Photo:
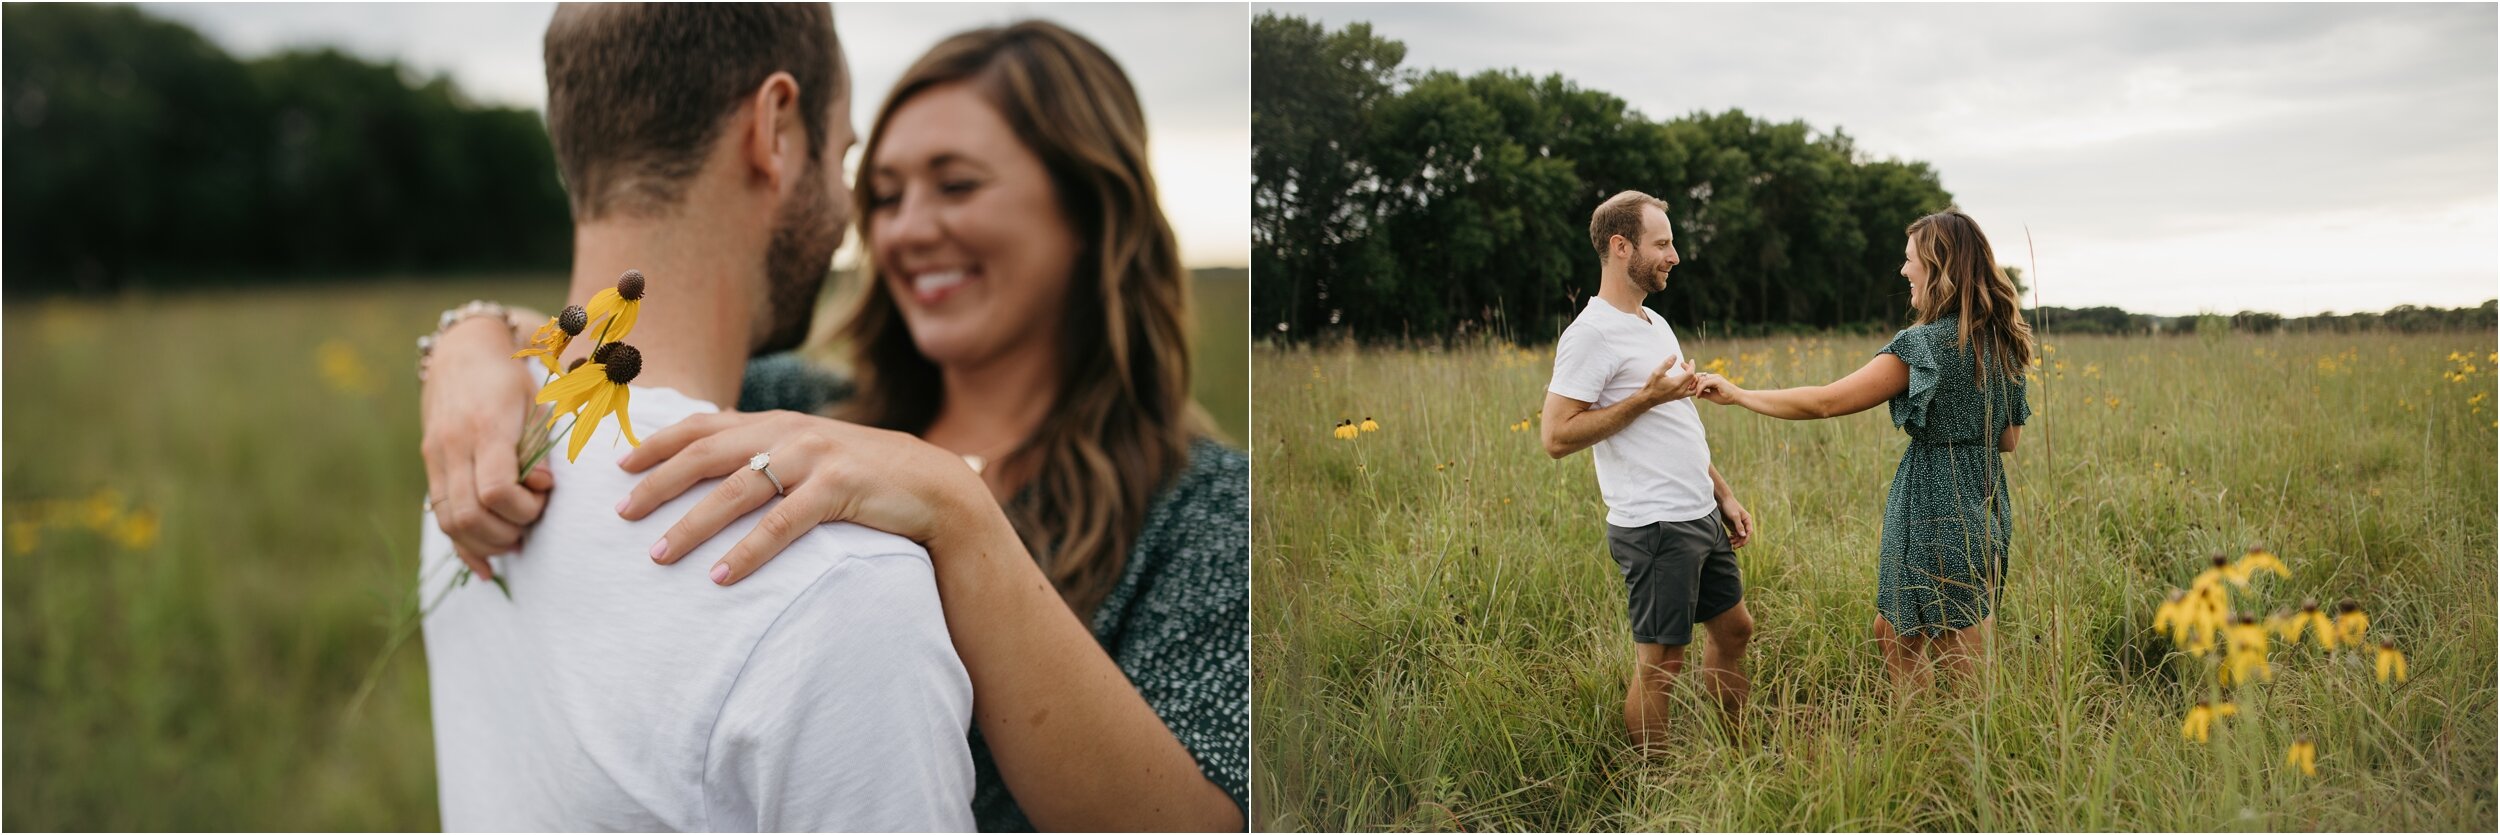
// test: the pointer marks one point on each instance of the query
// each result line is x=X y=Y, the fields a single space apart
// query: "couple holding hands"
x=1955 y=382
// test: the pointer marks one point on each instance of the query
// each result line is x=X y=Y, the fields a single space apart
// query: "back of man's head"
x=637 y=93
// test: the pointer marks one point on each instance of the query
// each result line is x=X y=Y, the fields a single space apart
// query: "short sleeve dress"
x=1177 y=623
x=1946 y=523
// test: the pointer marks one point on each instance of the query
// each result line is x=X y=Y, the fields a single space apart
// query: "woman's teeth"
x=936 y=282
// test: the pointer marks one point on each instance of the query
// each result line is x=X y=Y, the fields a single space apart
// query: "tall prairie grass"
x=211 y=507
x=1440 y=639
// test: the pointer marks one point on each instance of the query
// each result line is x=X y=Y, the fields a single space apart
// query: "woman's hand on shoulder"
x=830 y=471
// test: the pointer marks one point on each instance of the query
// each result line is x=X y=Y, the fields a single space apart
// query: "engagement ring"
x=763 y=463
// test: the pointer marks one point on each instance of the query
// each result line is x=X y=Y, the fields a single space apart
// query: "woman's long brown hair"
x=1122 y=421
x=1963 y=279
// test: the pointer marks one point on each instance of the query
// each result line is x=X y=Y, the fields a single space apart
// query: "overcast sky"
x=2167 y=159
x=1190 y=63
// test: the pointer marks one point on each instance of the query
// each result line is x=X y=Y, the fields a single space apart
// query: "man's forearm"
x=1583 y=429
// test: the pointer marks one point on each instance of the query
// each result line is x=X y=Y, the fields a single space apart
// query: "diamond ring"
x=763 y=463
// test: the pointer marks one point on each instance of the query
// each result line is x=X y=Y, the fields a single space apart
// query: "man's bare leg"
x=1646 y=701
x=1723 y=661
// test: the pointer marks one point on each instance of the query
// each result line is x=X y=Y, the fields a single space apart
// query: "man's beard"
x=1647 y=276
x=796 y=264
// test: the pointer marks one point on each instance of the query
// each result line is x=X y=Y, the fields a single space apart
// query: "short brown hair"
x=1619 y=215
x=636 y=93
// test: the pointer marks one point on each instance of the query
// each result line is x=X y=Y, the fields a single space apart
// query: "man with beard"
x=700 y=146
x=1621 y=386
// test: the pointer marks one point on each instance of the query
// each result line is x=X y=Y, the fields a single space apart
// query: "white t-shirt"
x=609 y=693
x=1658 y=468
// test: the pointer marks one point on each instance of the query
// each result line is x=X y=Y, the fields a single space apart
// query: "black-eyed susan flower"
x=592 y=391
x=615 y=309
x=2258 y=559
x=2217 y=574
x=1370 y=425
x=2390 y=660
x=2199 y=725
x=2304 y=754
x=2314 y=622
x=1345 y=430
x=549 y=342
x=2351 y=624
x=2246 y=652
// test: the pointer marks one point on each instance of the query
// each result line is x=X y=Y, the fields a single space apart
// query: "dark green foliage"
x=1397 y=204
x=140 y=154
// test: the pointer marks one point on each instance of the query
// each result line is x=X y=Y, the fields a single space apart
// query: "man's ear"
x=1615 y=253
x=776 y=139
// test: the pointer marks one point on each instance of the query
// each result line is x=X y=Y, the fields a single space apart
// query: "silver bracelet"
x=454 y=316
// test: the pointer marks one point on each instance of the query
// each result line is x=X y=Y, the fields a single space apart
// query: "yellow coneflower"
x=1346 y=430
x=2172 y=615
x=137 y=530
x=593 y=390
x=549 y=342
x=2315 y=622
x=2284 y=626
x=2351 y=624
x=2304 y=754
x=2390 y=660
x=2215 y=575
x=618 y=306
x=2246 y=653
x=1370 y=425
x=2199 y=724
x=25 y=535
x=2259 y=558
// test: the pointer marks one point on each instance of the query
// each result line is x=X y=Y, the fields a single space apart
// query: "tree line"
x=2403 y=318
x=1394 y=204
x=141 y=154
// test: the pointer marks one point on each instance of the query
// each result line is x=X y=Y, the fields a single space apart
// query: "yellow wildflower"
x=2305 y=755
x=343 y=368
x=2199 y=724
x=617 y=307
x=549 y=342
x=2390 y=660
x=2172 y=613
x=1370 y=425
x=2259 y=558
x=101 y=509
x=137 y=530
x=593 y=390
x=2315 y=623
x=2351 y=624
x=25 y=535
x=2246 y=653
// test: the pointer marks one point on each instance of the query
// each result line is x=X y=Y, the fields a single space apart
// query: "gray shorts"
x=1678 y=574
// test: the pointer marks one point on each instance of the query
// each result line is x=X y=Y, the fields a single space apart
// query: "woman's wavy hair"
x=1123 y=419
x=1963 y=280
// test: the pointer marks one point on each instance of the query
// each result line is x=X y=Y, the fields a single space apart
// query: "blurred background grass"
x=1439 y=634
x=211 y=508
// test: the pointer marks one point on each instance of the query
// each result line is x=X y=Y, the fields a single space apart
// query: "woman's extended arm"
x=1074 y=741
x=2013 y=435
x=1882 y=378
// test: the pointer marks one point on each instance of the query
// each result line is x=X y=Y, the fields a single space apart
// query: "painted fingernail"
x=659 y=549
x=622 y=503
x=720 y=573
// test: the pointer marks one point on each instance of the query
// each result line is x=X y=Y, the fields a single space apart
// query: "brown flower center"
x=630 y=285
x=623 y=362
x=573 y=320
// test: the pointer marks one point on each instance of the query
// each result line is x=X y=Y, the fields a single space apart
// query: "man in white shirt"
x=1622 y=387
x=820 y=693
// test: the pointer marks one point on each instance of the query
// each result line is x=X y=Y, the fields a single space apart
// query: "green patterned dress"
x=1946 y=522
x=1177 y=624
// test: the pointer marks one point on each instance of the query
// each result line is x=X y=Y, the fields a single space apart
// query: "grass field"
x=211 y=511
x=1440 y=641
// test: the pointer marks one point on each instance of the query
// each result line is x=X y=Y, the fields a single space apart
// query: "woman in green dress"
x=1955 y=382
